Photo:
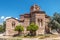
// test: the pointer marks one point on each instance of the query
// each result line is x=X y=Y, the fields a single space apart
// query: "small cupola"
x=34 y=8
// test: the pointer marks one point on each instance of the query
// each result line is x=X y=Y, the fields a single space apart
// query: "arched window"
x=13 y=24
x=40 y=22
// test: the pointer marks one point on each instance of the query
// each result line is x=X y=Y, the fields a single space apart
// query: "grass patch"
x=54 y=36
x=10 y=39
x=41 y=36
x=28 y=36
x=48 y=36
x=44 y=36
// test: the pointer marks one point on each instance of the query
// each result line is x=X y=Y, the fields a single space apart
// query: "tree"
x=32 y=28
x=19 y=28
x=55 y=22
x=4 y=25
x=1 y=28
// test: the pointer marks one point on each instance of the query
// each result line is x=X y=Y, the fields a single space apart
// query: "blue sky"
x=14 y=8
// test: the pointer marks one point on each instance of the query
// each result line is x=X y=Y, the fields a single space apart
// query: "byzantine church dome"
x=34 y=8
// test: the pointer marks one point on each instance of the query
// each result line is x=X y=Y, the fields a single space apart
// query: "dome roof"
x=35 y=8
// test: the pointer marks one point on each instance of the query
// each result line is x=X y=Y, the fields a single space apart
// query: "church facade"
x=36 y=15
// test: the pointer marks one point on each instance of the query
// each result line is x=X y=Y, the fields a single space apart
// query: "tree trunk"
x=33 y=33
x=19 y=32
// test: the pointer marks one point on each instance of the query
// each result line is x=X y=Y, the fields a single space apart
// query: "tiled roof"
x=38 y=12
x=13 y=18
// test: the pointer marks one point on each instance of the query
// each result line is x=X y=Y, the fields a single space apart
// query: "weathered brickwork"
x=36 y=15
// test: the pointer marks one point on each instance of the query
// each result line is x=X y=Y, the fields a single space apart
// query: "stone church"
x=35 y=15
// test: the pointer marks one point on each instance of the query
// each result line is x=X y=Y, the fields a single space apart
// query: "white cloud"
x=16 y=18
x=2 y=17
x=6 y=18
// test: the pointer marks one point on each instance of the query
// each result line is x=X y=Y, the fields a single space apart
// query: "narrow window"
x=41 y=22
x=13 y=24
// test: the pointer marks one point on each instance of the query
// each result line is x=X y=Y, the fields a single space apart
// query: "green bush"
x=32 y=28
x=19 y=28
